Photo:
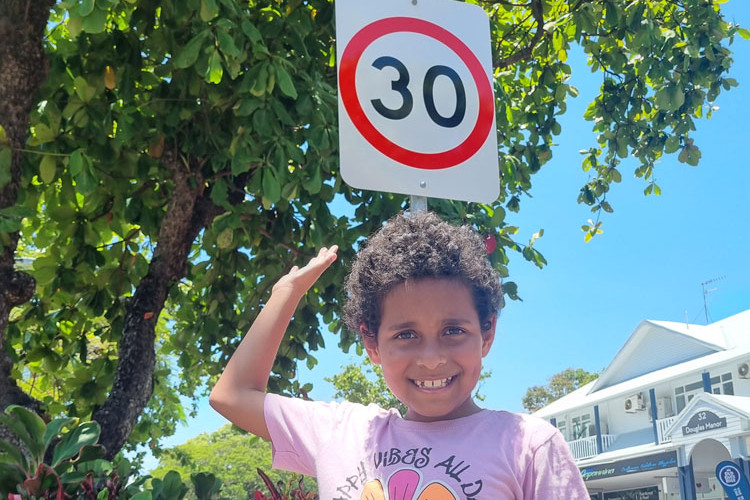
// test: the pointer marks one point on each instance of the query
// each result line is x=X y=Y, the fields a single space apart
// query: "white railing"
x=662 y=424
x=586 y=447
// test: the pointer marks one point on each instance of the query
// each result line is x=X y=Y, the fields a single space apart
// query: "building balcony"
x=662 y=424
x=586 y=447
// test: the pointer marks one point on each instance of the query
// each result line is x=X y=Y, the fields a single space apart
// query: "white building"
x=672 y=404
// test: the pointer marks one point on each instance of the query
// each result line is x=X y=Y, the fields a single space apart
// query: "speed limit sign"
x=416 y=105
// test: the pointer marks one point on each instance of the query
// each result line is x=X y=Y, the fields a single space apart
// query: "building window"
x=719 y=385
x=727 y=387
x=562 y=426
x=580 y=426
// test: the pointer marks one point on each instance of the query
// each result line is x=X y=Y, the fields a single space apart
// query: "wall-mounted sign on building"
x=703 y=421
x=630 y=466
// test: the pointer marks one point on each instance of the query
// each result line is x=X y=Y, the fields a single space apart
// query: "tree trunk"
x=188 y=212
x=23 y=68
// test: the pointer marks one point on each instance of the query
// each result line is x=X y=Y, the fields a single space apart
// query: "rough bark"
x=23 y=68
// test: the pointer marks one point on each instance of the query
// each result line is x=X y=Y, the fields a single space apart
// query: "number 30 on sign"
x=416 y=106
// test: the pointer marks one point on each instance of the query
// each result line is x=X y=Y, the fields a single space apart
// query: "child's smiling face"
x=430 y=345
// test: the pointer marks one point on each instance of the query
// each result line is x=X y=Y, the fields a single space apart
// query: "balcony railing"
x=586 y=447
x=662 y=424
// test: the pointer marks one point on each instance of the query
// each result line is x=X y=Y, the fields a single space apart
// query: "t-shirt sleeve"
x=553 y=472
x=298 y=429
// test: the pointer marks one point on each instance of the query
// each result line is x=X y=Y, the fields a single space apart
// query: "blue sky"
x=648 y=264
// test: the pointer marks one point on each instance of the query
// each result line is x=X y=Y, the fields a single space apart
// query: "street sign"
x=733 y=480
x=416 y=104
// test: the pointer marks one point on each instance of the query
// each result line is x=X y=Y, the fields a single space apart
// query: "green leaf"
x=189 y=54
x=34 y=426
x=205 y=484
x=173 y=487
x=249 y=29
x=313 y=183
x=71 y=444
x=261 y=81
x=42 y=134
x=209 y=10
x=47 y=169
x=693 y=155
x=54 y=427
x=81 y=88
x=95 y=22
x=285 y=82
x=683 y=156
x=215 y=69
x=227 y=45
x=271 y=187
x=86 y=7
x=669 y=98
x=672 y=144
x=76 y=163
x=744 y=33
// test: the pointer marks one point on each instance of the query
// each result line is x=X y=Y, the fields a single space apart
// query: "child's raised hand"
x=301 y=279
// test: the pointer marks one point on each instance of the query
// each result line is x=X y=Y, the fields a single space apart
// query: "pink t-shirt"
x=366 y=453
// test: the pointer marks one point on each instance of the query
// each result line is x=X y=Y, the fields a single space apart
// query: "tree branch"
x=537 y=11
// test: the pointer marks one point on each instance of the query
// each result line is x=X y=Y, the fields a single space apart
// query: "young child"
x=424 y=298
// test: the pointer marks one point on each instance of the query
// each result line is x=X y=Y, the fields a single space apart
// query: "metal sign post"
x=417 y=204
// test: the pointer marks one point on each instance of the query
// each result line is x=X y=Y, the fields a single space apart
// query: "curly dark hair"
x=419 y=245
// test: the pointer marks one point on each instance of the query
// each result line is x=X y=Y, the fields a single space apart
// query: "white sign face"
x=416 y=103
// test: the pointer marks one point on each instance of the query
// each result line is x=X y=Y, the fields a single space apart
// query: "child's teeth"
x=433 y=384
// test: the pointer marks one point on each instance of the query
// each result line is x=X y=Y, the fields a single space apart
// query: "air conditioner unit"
x=663 y=408
x=743 y=370
x=634 y=403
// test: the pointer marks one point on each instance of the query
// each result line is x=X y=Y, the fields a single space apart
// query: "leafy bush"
x=62 y=461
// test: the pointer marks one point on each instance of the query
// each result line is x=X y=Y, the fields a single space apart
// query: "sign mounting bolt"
x=422 y=184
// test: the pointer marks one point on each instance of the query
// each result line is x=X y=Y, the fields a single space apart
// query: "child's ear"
x=371 y=344
x=488 y=334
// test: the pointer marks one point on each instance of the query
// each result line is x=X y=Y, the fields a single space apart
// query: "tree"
x=181 y=155
x=230 y=454
x=560 y=384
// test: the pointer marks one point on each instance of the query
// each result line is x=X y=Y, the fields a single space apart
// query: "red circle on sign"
x=347 y=79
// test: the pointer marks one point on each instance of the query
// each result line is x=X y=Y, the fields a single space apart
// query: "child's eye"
x=454 y=330
x=405 y=335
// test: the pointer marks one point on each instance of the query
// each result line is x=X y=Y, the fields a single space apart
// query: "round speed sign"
x=416 y=107
x=441 y=159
